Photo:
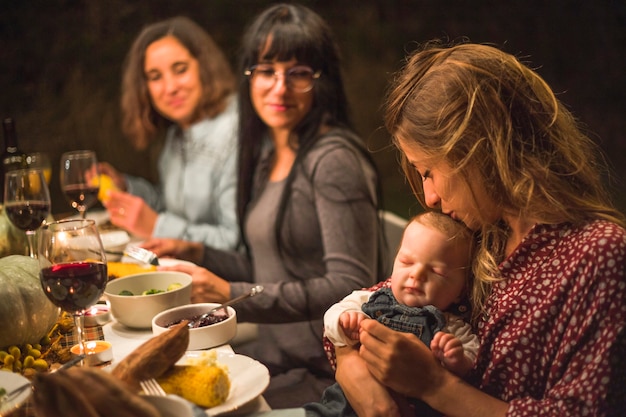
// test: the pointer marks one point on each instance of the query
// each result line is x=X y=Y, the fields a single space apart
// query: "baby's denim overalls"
x=382 y=306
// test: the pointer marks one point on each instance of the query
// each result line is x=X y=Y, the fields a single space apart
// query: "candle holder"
x=98 y=352
x=98 y=314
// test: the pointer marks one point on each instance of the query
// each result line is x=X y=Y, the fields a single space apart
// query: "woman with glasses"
x=307 y=203
x=177 y=81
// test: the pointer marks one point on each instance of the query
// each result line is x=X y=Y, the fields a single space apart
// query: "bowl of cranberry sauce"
x=216 y=329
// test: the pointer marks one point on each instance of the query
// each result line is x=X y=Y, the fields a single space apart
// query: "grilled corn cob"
x=206 y=386
x=122 y=269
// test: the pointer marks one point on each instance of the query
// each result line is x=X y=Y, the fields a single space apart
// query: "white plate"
x=10 y=381
x=171 y=405
x=173 y=262
x=248 y=379
x=97 y=215
x=162 y=261
x=115 y=239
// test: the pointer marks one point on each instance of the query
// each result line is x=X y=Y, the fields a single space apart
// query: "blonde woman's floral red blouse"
x=553 y=342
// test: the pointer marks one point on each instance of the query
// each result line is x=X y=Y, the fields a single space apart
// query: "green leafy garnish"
x=152 y=291
x=174 y=286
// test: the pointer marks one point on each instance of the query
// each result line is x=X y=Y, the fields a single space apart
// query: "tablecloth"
x=124 y=341
x=68 y=340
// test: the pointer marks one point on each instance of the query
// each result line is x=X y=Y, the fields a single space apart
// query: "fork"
x=141 y=254
x=14 y=393
x=11 y=395
x=152 y=387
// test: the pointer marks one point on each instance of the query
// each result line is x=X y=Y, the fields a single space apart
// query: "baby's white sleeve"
x=332 y=329
x=462 y=330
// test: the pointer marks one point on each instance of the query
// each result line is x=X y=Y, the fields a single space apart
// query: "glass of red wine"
x=27 y=202
x=80 y=179
x=73 y=268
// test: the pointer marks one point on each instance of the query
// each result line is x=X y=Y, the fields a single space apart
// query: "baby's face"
x=428 y=269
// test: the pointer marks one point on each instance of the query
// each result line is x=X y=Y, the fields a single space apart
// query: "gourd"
x=12 y=240
x=26 y=314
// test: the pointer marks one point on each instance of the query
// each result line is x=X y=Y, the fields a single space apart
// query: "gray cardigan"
x=331 y=225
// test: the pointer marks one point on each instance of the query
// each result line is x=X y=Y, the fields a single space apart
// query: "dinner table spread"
x=125 y=340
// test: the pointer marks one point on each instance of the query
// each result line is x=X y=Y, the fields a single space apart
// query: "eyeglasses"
x=299 y=79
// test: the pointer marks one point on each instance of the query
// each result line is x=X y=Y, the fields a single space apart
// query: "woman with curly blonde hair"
x=484 y=140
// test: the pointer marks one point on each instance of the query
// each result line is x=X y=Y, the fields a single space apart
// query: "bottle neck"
x=12 y=157
x=10 y=137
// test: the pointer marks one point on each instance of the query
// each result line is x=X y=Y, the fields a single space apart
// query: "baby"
x=423 y=296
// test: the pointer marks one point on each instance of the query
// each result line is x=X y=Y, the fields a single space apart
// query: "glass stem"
x=79 y=327
x=30 y=237
x=83 y=213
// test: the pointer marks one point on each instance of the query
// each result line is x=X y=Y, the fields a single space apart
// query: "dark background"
x=60 y=65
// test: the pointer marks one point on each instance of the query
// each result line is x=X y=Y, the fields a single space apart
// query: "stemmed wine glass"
x=27 y=202
x=73 y=268
x=80 y=179
x=40 y=160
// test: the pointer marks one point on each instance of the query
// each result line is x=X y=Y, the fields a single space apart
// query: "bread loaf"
x=153 y=357
x=86 y=392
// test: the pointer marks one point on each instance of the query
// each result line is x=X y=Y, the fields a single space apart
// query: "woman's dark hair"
x=140 y=121
x=283 y=32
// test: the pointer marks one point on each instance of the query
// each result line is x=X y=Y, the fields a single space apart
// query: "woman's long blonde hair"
x=484 y=112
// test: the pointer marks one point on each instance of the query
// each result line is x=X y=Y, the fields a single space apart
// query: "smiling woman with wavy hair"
x=178 y=84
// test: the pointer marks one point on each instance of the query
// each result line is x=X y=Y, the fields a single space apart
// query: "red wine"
x=74 y=286
x=81 y=195
x=27 y=215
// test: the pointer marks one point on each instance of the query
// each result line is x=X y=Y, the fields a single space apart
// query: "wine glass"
x=73 y=268
x=80 y=179
x=27 y=202
x=40 y=160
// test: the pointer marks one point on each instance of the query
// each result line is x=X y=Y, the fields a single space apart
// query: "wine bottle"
x=12 y=157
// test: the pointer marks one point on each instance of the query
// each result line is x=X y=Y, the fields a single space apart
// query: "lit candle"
x=97 y=352
x=99 y=314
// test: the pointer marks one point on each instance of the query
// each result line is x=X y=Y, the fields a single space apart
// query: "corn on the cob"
x=122 y=269
x=206 y=386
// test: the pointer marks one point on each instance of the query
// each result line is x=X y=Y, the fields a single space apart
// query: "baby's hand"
x=449 y=350
x=350 y=321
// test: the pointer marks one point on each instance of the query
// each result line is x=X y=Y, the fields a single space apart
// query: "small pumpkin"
x=12 y=240
x=26 y=314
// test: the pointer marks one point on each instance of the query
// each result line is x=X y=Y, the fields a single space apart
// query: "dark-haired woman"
x=307 y=203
